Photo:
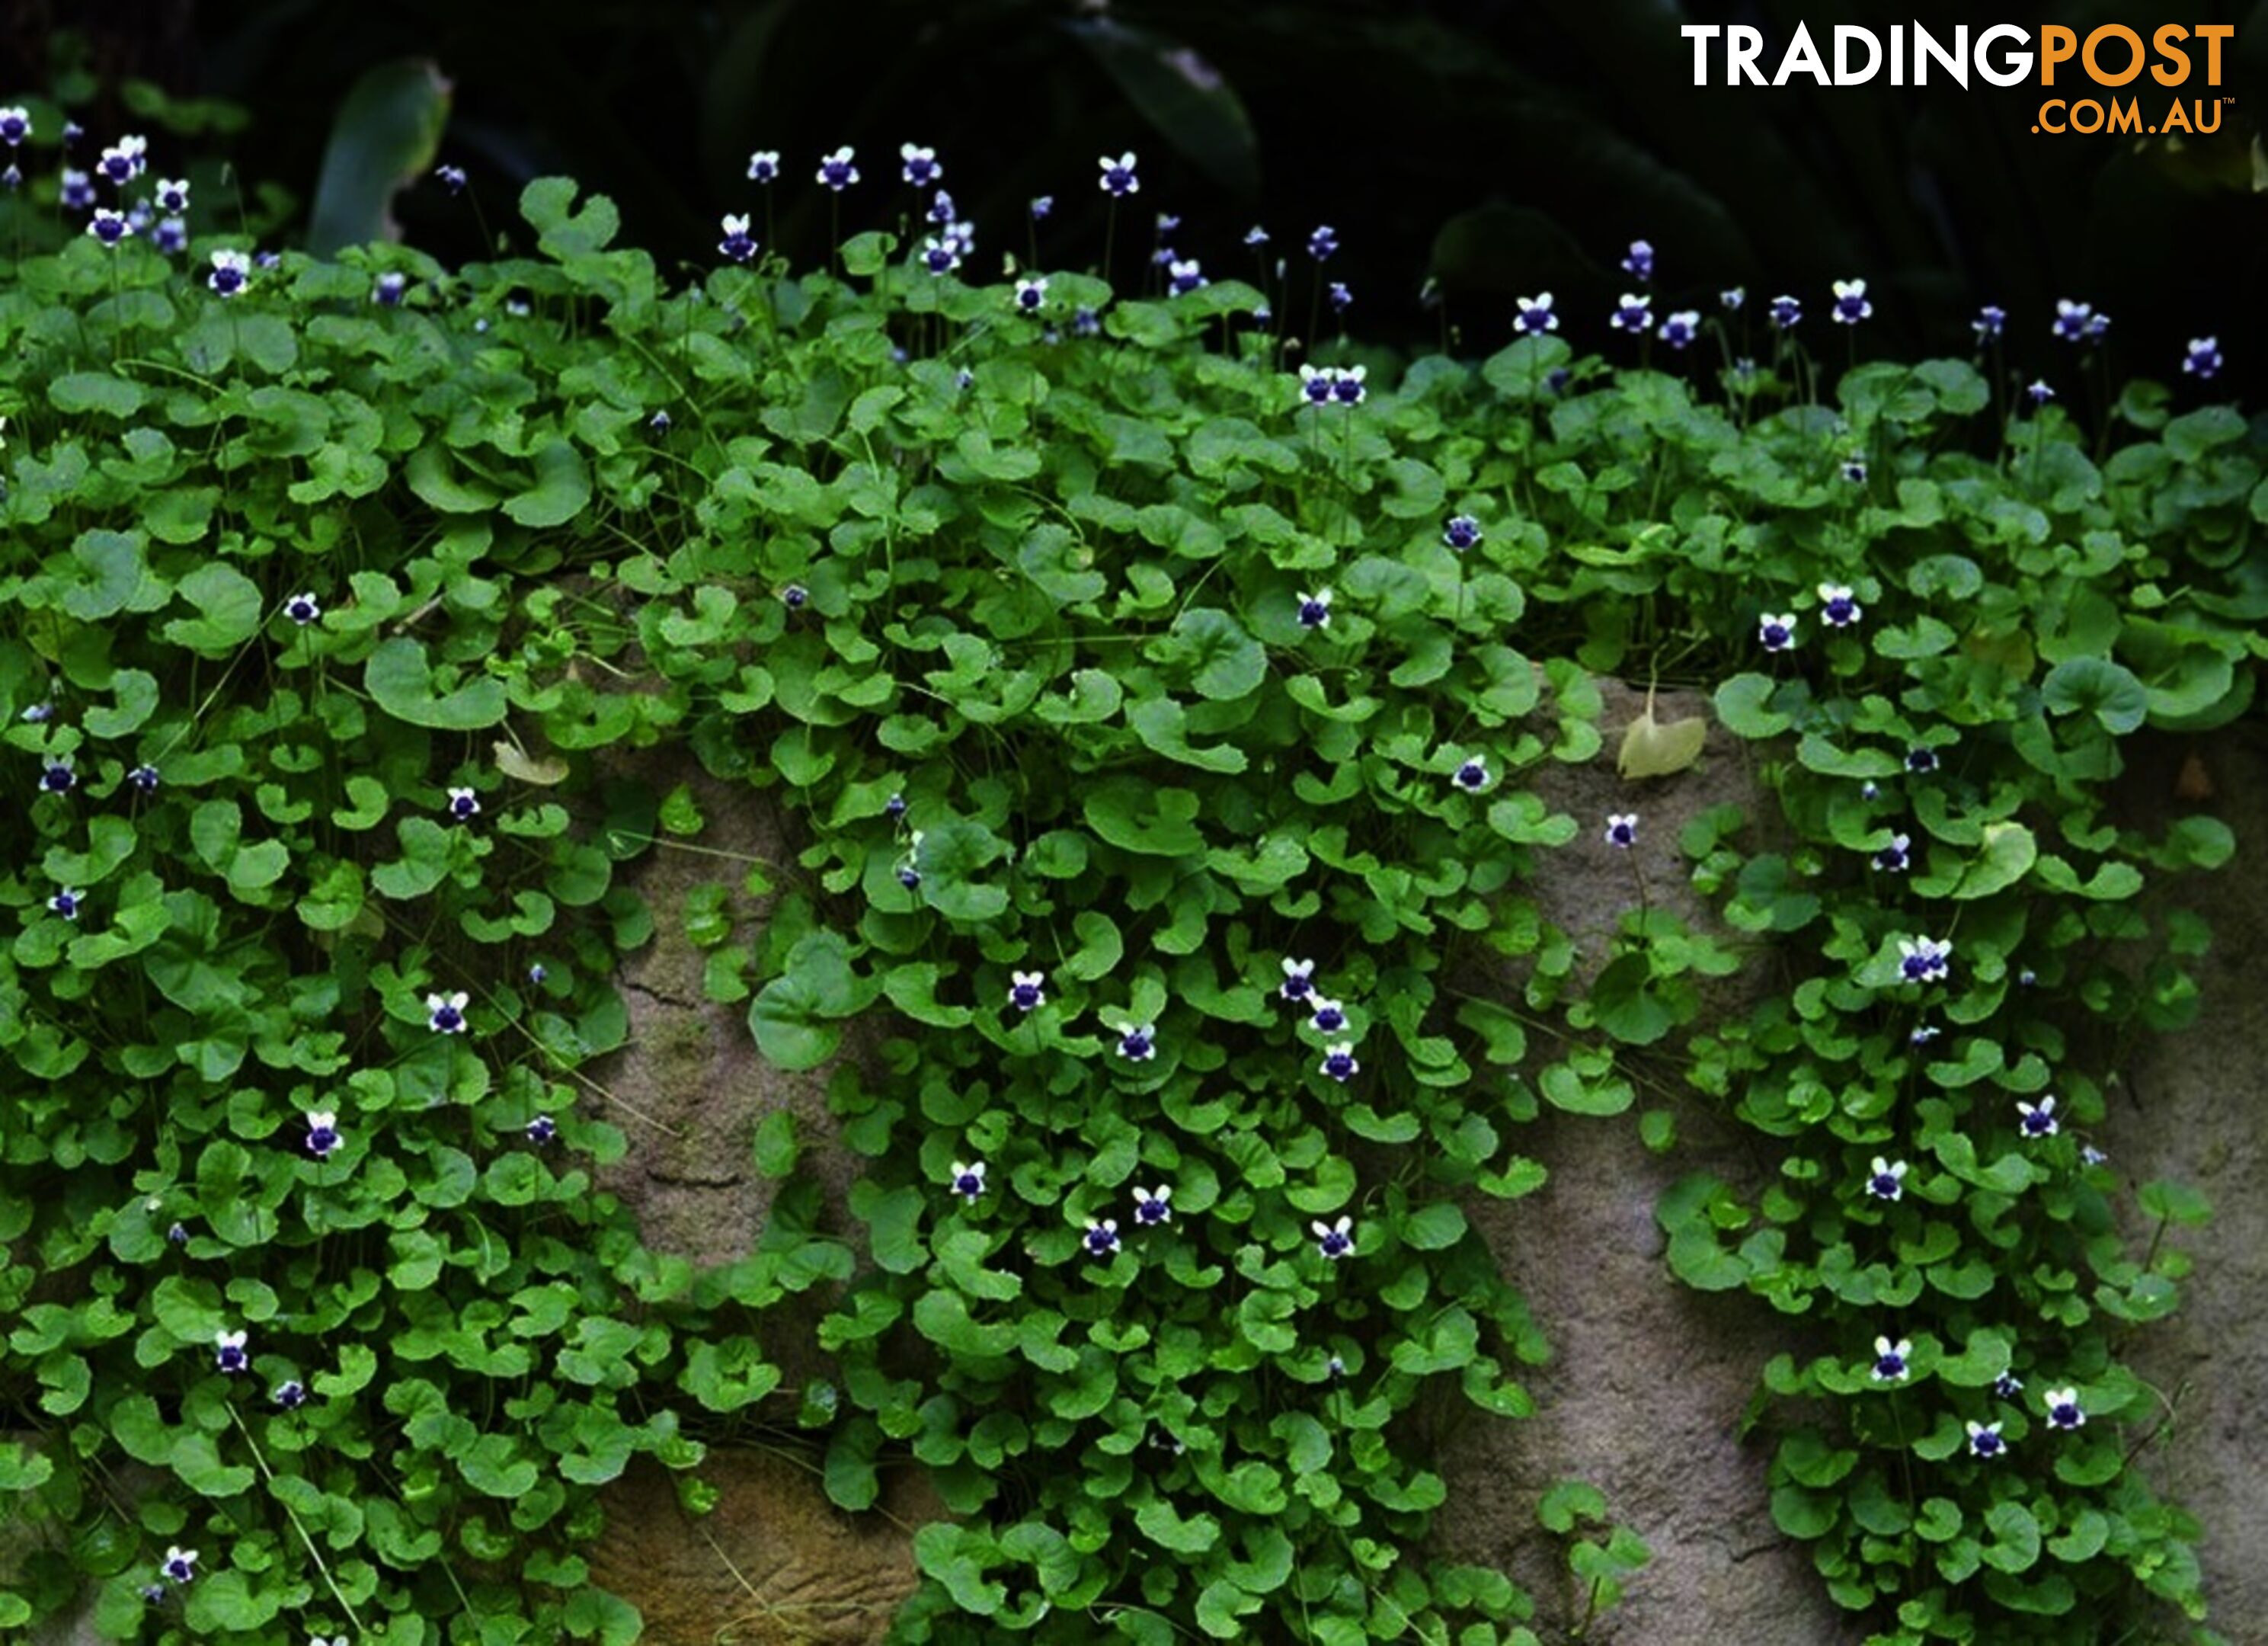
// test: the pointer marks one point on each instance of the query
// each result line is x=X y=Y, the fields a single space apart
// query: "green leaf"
x=2009 y=853
x=2096 y=685
x=399 y=676
x=1741 y=706
x=384 y=138
x=228 y=611
x=561 y=491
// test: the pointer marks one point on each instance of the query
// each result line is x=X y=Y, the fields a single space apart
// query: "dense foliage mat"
x=1157 y=720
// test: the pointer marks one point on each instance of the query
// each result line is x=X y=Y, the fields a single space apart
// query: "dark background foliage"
x=1502 y=145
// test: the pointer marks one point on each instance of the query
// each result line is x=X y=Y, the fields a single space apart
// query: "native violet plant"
x=1157 y=707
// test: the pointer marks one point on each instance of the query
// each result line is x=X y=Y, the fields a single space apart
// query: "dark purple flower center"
x=1984 y=1442
x=1347 y=391
x=447 y=1018
x=1336 y=1244
x=2036 y=1123
x=1890 y=1366
x=2063 y=1415
x=1099 y=1241
x=1135 y=1045
x=1884 y=1186
x=1312 y=613
x=1025 y=996
x=542 y=1129
x=1338 y=1065
x=57 y=779
x=321 y=1140
x=968 y=1184
x=1329 y=1019
x=290 y=1395
x=1296 y=986
x=909 y=877
x=1151 y=1211
x=232 y=1359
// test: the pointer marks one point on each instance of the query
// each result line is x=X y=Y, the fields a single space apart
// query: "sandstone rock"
x=776 y=1564
x=1649 y=1380
x=2193 y=1106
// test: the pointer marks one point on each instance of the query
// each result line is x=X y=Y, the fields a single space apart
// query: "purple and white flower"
x=1622 y=829
x=737 y=244
x=180 y=1564
x=302 y=609
x=2098 y=327
x=1850 y=304
x=1031 y=293
x=1342 y=298
x=228 y=1352
x=659 y=422
x=1894 y=858
x=2007 y=1385
x=940 y=256
x=1984 y=1440
x=1890 y=1359
x=1535 y=316
x=2063 y=1408
x=1886 y=1179
x=1633 y=313
x=1101 y=1239
x=1922 y=1034
x=1323 y=242
x=1854 y=471
x=445 y=1012
x=1338 y=1061
x=1462 y=533
x=173 y=195
x=2036 y=1119
x=1316 y=382
x=77 y=190
x=2072 y=319
x=1837 y=608
x=1041 y=204
x=1118 y=179
x=1150 y=1205
x=836 y=170
x=967 y=1179
x=1025 y=990
x=1139 y=1043
x=2039 y=391
x=1298 y=980
x=171 y=236
x=1776 y=633
x=1256 y=236
x=66 y=902
x=1638 y=262
x=1680 y=328
x=124 y=160
x=39 y=713
x=1923 y=959
x=763 y=166
x=1786 y=313
x=1346 y=385
x=1472 y=775
x=2202 y=358
x=1920 y=761
x=56 y=776
x=920 y=167
x=542 y=1129
x=795 y=597
x=15 y=125
x=322 y=1132
x=451 y=178
x=1991 y=322
x=388 y=291
x=1185 y=277
x=464 y=805
x=1329 y=1016
x=230 y=272
x=110 y=227
x=1333 y=1240
x=1315 y=609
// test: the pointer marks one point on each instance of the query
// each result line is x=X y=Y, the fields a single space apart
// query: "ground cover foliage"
x=1138 y=697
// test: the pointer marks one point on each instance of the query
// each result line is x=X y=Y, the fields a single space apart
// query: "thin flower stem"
x=268 y=1474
